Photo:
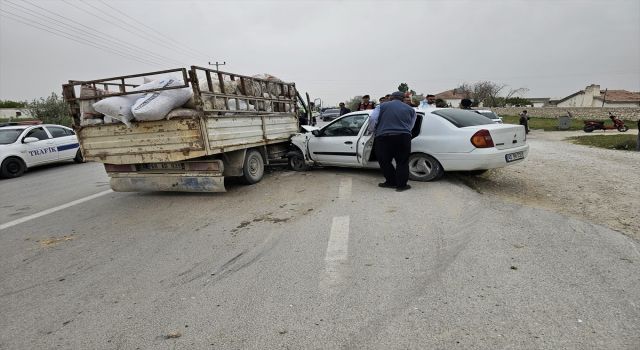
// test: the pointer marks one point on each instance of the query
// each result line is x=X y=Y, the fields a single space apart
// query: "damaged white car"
x=442 y=140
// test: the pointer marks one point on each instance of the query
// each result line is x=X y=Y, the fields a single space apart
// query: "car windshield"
x=462 y=118
x=8 y=136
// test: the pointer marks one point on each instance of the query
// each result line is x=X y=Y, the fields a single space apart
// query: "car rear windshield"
x=462 y=118
x=489 y=115
x=8 y=136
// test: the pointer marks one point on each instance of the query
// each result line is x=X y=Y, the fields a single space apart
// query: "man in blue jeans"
x=391 y=124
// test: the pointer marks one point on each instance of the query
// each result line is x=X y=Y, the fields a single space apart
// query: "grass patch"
x=551 y=124
x=626 y=142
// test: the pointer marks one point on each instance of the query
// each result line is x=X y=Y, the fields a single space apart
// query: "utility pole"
x=217 y=64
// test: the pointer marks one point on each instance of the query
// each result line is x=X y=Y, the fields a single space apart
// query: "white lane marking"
x=344 y=191
x=53 y=210
x=338 y=246
x=337 y=251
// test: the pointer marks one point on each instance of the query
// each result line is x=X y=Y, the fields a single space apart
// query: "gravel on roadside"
x=600 y=185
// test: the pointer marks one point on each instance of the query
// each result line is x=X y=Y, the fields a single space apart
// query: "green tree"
x=440 y=103
x=12 y=104
x=353 y=103
x=52 y=110
x=518 y=101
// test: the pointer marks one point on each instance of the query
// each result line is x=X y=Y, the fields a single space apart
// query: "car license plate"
x=514 y=156
x=160 y=166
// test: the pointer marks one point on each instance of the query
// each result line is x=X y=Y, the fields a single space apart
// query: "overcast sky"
x=332 y=49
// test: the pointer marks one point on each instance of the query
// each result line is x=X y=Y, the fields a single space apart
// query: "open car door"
x=337 y=143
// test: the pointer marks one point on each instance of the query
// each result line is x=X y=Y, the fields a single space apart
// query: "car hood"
x=309 y=128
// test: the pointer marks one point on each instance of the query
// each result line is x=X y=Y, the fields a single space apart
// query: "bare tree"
x=487 y=92
x=514 y=92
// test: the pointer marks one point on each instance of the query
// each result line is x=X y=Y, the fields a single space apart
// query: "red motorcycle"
x=590 y=125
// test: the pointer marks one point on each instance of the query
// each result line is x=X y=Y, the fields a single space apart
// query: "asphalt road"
x=316 y=260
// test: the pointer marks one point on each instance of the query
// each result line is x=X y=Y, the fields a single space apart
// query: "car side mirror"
x=316 y=132
x=30 y=139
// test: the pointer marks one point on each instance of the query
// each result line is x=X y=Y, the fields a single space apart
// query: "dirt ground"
x=599 y=185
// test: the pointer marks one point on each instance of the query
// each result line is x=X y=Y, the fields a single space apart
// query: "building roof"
x=452 y=95
x=611 y=96
x=619 y=96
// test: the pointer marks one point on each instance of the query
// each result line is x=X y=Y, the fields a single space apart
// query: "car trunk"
x=504 y=136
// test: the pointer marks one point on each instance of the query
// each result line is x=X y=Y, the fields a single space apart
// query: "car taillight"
x=482 y=139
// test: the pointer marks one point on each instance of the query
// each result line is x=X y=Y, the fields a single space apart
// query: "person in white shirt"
x=428 y=102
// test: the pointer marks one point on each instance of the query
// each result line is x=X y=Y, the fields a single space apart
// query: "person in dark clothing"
x=344 y=110
x=524 y=120
x=391 y=124
x=366 y=103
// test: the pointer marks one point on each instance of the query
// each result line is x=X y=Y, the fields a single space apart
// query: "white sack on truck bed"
x=156 y=105
x=119 y=107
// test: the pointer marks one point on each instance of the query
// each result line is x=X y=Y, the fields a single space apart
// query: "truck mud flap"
x=165 y=182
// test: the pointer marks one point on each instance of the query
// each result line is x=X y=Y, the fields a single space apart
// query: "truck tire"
x=79 y=158
x=423 y=167
x=12 y=167
x=253 y=168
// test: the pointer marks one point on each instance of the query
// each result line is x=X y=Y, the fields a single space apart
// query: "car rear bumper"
x=480 y=159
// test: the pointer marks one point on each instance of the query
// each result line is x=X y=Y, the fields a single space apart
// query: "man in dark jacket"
x=391 y=124
x=344 y=110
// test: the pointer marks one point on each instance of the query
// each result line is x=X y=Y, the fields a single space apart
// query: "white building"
x=15 y=113
x=452 y=97
x=592 y=96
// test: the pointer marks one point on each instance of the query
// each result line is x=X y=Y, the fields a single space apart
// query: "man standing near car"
x=366 y=103
x=524 y=120
x=429 y=102
x=392 y=124
x=344 y=110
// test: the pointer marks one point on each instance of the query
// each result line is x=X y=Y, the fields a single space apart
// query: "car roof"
x=15 y=127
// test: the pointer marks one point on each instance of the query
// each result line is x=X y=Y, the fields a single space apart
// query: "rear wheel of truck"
x=253 y=169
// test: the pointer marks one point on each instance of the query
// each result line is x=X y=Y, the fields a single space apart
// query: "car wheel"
x=79 y=158
x=588 y=129
x=623 y=128
x=12 y=167
x=253 y=169
x=297 y=162
x=423 y=167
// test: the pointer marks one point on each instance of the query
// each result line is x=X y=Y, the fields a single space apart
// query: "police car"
x=25 y=146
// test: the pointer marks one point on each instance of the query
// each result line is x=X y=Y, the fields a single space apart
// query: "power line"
x=119 y=25
x=58 y=32
x=161 y=35
x=83 y=39
x=118 y=41
x=159 y=58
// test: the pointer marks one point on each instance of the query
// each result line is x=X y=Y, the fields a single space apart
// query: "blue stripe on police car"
x=69 y=146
